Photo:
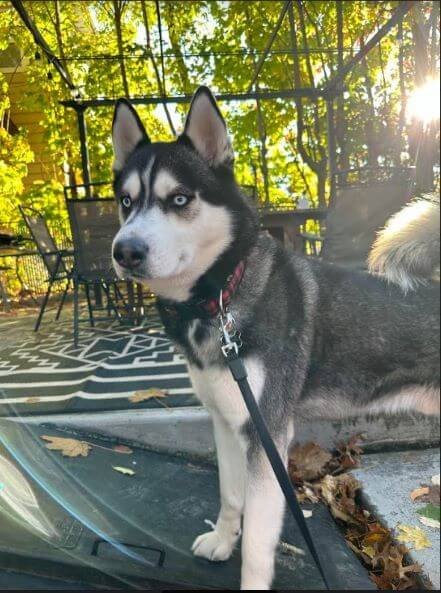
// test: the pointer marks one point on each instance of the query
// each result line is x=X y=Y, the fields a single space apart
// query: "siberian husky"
x=318 y=340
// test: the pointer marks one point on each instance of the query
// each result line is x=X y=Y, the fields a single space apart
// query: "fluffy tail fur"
x=407 y=250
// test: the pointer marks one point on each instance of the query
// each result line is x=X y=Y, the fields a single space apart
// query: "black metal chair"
x=3 y=294
x=365 y=199
x=53 y=258
x=94 y=223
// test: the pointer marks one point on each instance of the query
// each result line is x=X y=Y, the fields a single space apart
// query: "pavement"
x=387 y=480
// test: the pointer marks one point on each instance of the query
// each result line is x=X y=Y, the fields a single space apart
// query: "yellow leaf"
x=369 y=551
x=123 y=470
x=32 y=400
x=146 y=394
x=414 y=536
x=68 y=447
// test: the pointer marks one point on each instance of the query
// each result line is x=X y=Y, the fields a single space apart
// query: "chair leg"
x=89 y=305
x=63 y=299
x=76 y=312
x=110 y=300
x=43 y=307
x=4 y=296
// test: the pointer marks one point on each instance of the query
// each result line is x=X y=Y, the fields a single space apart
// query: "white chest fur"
x=215 y=387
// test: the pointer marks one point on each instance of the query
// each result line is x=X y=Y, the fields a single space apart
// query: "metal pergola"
x=328 y=92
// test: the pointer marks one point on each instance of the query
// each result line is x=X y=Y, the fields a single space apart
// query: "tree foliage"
x=112 y=48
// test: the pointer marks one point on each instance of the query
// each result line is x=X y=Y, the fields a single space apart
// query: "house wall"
x=44 y=167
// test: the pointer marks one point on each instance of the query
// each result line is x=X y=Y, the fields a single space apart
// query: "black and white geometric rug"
x=43 y=372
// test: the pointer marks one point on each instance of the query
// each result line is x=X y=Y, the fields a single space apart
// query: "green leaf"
x=430 y=511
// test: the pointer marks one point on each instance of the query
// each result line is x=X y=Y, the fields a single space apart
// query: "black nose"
x=130 y=253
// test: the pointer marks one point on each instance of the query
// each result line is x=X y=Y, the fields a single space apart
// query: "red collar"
x=211 y=306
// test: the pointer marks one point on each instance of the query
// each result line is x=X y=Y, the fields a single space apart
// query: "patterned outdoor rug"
x=44 y=372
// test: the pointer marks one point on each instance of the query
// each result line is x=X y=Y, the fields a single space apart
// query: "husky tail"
x=407 y=250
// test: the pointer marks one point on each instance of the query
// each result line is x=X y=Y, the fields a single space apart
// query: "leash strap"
x=239 y=373
x=231 y=343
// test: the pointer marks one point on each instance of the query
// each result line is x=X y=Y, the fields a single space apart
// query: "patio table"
x=6 y=251
x=290 y=221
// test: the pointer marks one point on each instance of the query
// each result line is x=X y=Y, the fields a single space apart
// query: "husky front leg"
x=263 y=517
x=219 y=544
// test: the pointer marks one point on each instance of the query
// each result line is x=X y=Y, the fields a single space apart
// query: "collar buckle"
x=230 y=336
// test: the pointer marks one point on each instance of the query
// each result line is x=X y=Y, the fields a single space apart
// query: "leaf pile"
x=320 y=475
x=310 y=462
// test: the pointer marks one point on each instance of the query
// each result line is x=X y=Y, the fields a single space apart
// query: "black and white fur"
x=318 y=340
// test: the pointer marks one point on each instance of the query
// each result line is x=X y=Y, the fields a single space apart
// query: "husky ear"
x=127 y=133
x=206 y=129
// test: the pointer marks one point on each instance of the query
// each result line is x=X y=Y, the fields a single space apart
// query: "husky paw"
x=214 y=546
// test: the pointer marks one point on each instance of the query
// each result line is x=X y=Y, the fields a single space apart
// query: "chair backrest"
x=94 y=224
x=359 y=211
x=43 y=240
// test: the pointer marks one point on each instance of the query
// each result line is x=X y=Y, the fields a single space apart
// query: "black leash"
x=231 y=344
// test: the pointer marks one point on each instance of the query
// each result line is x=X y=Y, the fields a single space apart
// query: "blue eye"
x=126 y=201
x=180 y=200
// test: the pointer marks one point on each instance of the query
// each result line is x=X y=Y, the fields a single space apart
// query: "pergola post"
x=85 y=161
x=332 y=148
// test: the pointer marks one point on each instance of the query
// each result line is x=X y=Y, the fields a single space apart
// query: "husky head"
x=184 y=223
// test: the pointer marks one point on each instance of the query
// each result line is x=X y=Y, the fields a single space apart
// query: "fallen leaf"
x=146 y=394
x=339 y=493
x=377 y=535
x=414 y=536
x=123 y=470
x=68 y=447
x=306 y=494
x=286 y=548
x=308 y=462
x=419 y=492
x=430 y=522
x=32 y=400
x=431 y=511
x=346 y=456
x=122 y=449
x=369 y=551
x=416 y=568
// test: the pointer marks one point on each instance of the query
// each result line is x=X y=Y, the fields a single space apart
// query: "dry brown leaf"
x=122 y=449
x=123 y=470
x=68 y=447
x=339 y=493
x=308 y=462
x=32 y=400
x=431 y=494
x=419 y=492
x=346 y=456
x=146 y=394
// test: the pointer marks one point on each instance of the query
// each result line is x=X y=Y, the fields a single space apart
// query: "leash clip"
x=230 y=337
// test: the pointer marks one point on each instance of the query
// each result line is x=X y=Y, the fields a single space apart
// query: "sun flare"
x=423 y=103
